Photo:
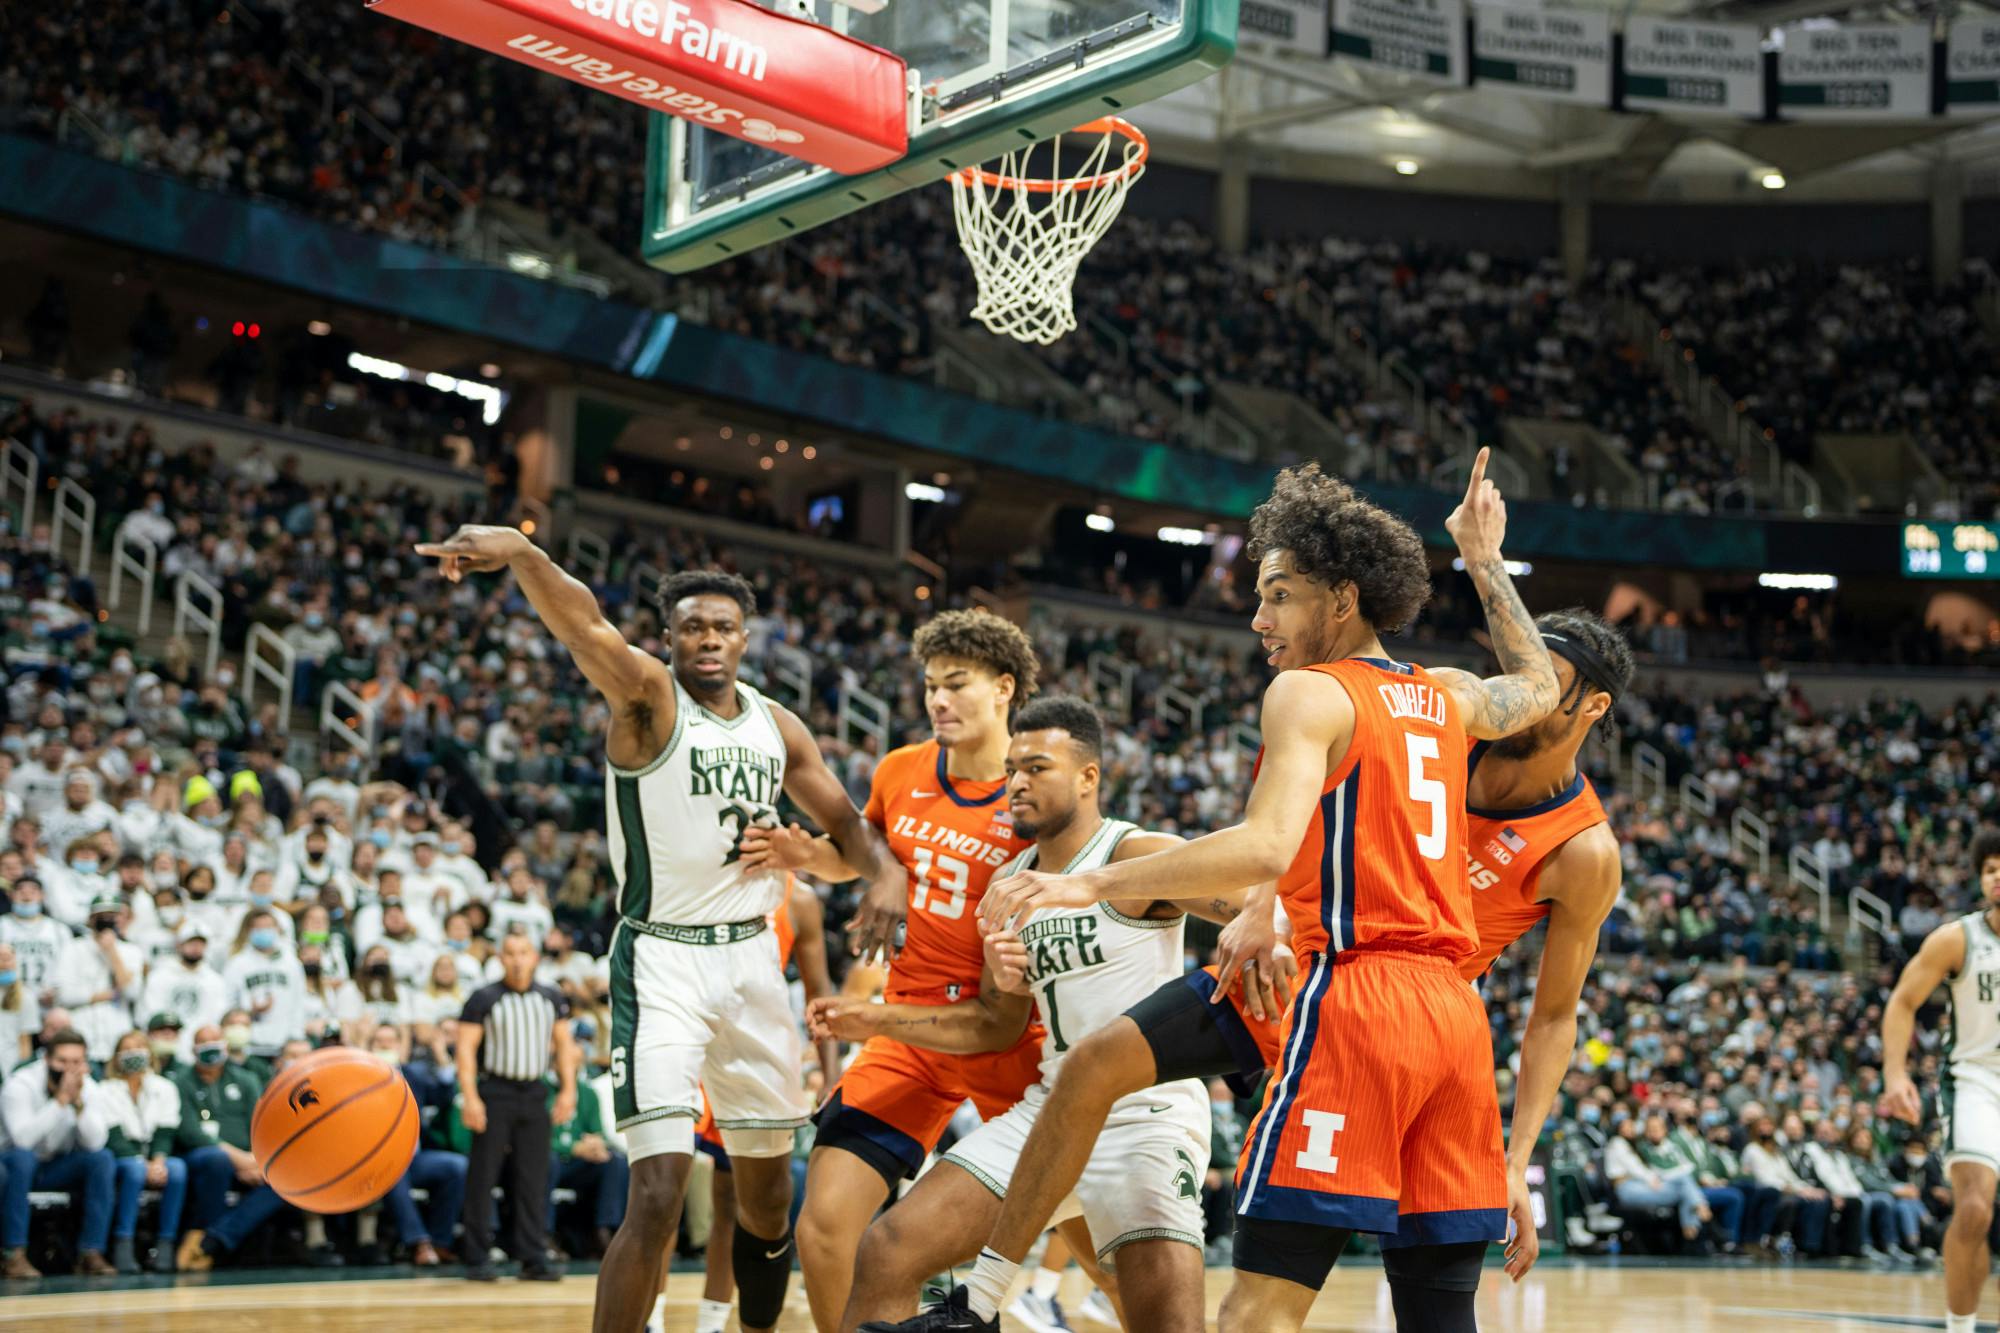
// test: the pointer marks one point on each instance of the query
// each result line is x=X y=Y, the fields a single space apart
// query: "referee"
x=505 y=1038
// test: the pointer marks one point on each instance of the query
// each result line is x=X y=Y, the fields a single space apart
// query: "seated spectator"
x=101 y=977
x=1904 y=1235
x=1674 y=1158
x=55 y=1118
x=581 y=1160
x=1918 y=1167
x=38 y=940
x=236 y=1035
x=1846 y=1230
x=265 y=980
x=187 y=989
x=1637 y=1185
x=562 y=966
x=382 y=1000
x=145 y=1114
x=1764 y=1157
x=164 y=1043
x=19 y=1014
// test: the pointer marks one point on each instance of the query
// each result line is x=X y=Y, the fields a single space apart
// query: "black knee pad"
x=763 y=1270
x=1436 y=1267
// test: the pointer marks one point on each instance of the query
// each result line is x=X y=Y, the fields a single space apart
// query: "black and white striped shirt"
x=519 y=1026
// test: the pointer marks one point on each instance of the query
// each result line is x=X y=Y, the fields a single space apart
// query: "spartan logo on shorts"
x=1184 y=1179
x=1061 y=944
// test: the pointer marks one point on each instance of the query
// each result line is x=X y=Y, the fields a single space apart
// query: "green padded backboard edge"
x=1205 y=44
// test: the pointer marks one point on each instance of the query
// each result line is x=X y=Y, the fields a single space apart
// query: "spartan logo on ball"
x=302 y=1096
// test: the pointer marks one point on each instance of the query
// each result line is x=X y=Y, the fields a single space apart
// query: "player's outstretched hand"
x=877 y=928
x=838 y=1018
x=476 y=548
x=1524 y=1243
x=1268 y=967
x=1013 y=898
x=1007 y=960
x=1900 y=1101
x=762 y=848
x=1479 y=524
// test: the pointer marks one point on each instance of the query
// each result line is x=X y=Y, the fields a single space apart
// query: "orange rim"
x=1037 y=185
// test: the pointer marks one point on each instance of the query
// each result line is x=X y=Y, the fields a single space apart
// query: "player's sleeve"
x=879 y=786
x=477 y=1006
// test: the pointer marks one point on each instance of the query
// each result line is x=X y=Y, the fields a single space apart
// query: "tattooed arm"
x=1526 y=692
x=991 y=1021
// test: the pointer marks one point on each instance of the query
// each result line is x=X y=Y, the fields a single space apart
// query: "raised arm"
x=812 y=785
x=1582 y=880
x=1942 y=956
x=1308 y=721
x=1526 y=691
x=628 y=677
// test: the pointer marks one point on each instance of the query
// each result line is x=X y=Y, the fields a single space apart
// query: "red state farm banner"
x=786 y=83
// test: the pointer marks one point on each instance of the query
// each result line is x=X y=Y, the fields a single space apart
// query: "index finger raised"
x=1478 y=471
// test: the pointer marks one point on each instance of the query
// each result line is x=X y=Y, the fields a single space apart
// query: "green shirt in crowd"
x=217 y=1112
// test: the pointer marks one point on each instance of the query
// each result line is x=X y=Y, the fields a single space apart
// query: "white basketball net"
x=1025 y=242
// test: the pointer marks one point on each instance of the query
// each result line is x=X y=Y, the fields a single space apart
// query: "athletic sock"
x=1960 y=1323
x=1046 y=1282
x=987 y=1285
x=714 y=1315
x=658 y=1319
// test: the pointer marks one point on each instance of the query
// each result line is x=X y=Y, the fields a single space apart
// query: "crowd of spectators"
x=197 y=910
x=333 y=110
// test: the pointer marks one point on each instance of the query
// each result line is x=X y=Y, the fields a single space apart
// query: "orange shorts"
x=892 y=1105
x=1382 y=1117
x=707 y=1138
x=1262 y=1032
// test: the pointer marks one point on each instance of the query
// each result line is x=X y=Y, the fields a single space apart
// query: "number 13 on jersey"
x=946 y=877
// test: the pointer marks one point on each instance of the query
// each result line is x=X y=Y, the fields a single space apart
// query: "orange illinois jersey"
x=783 y=927
x=1383 y=861
x=1505 y=852
x=951 y=835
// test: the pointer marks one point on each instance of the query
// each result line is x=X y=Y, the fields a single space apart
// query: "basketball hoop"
x=1025 y=235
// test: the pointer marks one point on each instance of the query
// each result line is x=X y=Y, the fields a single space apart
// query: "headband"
x=1589 y=663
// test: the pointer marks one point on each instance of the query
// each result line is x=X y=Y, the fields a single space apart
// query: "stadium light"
x=923 y=490
x=1520 y=569
x=1772 y=180
x=1099 y=522
x=1187 y=536
x=1799 y=582
x=490 y=398
x=1406 y=166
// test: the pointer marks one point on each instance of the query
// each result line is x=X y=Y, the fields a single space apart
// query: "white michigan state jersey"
x=674 y=824
x=1088 y=965
x=1975 y=998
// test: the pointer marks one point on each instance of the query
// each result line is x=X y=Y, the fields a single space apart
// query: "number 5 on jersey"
x=949 y=876
x=1427 y=791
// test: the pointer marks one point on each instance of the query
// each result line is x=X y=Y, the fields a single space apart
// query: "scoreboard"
x=1951 y=550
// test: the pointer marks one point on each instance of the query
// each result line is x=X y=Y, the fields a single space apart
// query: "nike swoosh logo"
x=1157 y=1109
x=778 y=1253
x=922 y=795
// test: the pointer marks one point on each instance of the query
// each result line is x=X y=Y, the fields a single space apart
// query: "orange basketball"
x=335 y=1130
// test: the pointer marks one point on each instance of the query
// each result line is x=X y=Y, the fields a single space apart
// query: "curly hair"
x=1065 y=712
x=1601 y=638
x=702 y=583
x=1000 y=646
x=1336 y=536
x=1984 y=848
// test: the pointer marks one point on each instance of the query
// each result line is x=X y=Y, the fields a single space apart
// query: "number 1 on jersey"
x=1427 y=791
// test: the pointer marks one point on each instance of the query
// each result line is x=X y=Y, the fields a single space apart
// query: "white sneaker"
x=1097 y=1308
x=1042 y=1314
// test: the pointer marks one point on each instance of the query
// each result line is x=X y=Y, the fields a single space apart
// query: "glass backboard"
x=987 y=76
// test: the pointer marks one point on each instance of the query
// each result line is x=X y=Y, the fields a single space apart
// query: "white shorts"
x=1972 y=1116
x=688 y=1016
x=1143 y=1179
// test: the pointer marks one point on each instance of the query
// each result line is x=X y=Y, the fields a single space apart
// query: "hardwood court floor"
x=1593 y=1297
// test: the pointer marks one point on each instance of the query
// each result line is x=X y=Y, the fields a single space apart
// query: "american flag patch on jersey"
x=1513 y=841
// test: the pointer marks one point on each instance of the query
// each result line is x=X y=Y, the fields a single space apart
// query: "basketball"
x=334 y=1131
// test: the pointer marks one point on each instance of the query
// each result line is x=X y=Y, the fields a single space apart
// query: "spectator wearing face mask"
x=100 y=977
x=1904 y=1235
x=441 y=997
x=434 y=1169
x=315 y=865
x=195 y=832
x=20 y=1016
x=233 y=871
x=313 y=643
x=1639 y=1185
x=263 y=898
x=157 y=934
x=1917 y=1166
x=562 y=966
x=37 y=940
x=80 y=883
x=384 y=1002
x=195 y=993
x=428 y=885
x=330 y=999
x=163 y=1043
x=523 y=908
x=53 y=1114
x=340 y=774
x=1866 y=1219
x=145 y=1114
x=265 y=979
x=1767 y=1162
x=455 y=848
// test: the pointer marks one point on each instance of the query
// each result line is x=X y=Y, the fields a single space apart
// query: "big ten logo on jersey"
x=1501 y=849
x=1061 y=944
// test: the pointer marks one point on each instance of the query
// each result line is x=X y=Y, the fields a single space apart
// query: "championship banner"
x=1863 y=71
x=729 y=65
x=1296 y=25
x=1562 y=55
x=1972 y=68
x=1701 y=67
x=1424 y=38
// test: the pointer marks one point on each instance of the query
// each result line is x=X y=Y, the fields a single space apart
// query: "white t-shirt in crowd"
x=254 y=976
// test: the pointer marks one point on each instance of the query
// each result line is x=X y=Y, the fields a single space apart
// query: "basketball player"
x=1140 y=1193
x=940 y=805
x=1531 y=813
x=1383 y=1116
x=697 y=998
x=799 y=927
x=1965 y=954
